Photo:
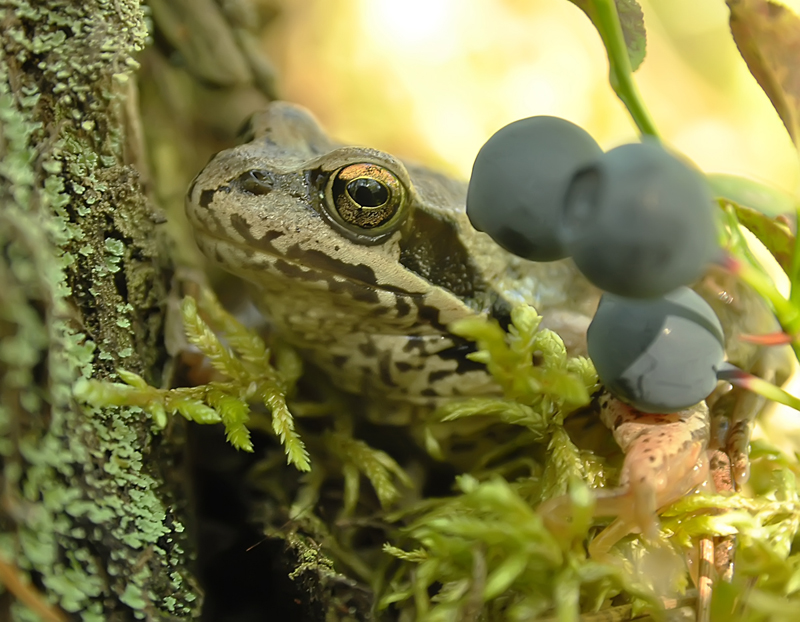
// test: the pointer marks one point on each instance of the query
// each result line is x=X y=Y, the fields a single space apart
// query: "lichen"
x=89 y=517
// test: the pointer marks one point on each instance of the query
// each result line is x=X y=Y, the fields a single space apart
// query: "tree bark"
x=92 y=508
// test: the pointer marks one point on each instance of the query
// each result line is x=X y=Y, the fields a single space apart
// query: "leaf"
x=235 y=415
x=193 y=410
x=245 y=342
x=563 y=464
x=768 y=38
x=134 y=380
x=375 y=464
x=417 y=555
x=199 y=333
x=631 y=19
x=766 y=199
x=774 y=235
x=507 y=411
x=283 y=426
x=566 y=595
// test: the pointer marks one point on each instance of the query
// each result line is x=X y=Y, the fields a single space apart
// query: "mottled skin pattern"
x=665 y=457
x=371 y=307
x=372 y=313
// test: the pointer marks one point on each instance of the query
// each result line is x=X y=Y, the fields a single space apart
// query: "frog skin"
x=367 y=294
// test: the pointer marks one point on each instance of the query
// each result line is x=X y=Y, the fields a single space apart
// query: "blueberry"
x=516 y=191
x=659 y=355
x=639 y=221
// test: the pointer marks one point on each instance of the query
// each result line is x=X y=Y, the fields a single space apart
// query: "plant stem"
x=757 y=385
x=794 y=271
x=619 y=66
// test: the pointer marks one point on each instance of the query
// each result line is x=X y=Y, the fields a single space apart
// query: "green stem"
x=794 y=270
x=619 y=66
x=771 y=392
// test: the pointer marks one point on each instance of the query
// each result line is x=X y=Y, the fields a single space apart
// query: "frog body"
x=368 y=301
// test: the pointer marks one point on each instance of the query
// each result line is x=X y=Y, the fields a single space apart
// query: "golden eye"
x=367 y=196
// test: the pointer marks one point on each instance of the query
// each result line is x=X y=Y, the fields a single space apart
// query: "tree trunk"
x=92 y=504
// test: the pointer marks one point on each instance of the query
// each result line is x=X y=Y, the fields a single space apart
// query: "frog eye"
x=366 y=200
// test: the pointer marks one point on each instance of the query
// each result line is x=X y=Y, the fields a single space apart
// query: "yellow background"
x=433 y=79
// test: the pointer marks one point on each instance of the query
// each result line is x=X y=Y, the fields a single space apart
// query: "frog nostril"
x=256 y=181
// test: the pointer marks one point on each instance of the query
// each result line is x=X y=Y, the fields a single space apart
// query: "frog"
x=362 y=261
x=666 y=457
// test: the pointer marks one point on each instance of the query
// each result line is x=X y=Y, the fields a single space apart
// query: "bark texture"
x=90 y=508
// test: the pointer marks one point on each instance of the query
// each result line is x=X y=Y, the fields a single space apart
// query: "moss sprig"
x=254 y=374
x=489 y=549
x=377 y=466
x=541 y=384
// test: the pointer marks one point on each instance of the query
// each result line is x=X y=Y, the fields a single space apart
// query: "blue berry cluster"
x=638 y=221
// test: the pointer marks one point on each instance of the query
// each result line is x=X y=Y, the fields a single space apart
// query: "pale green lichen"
x=88 y=509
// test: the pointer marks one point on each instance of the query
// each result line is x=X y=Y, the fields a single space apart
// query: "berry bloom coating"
x=639 y=221
x=659 y=355
x=516 y=191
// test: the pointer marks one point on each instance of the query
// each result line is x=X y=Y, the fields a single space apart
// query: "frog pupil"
x=368 y=192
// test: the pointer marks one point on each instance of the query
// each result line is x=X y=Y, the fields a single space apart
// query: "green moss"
x=311 y=560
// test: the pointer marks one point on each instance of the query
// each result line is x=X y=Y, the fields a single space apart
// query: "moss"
x=324 y=593
x=91 y=518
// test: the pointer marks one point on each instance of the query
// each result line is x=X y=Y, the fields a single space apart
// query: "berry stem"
x=620 y=74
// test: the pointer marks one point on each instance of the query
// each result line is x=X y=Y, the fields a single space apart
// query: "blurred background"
x=433 y=79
